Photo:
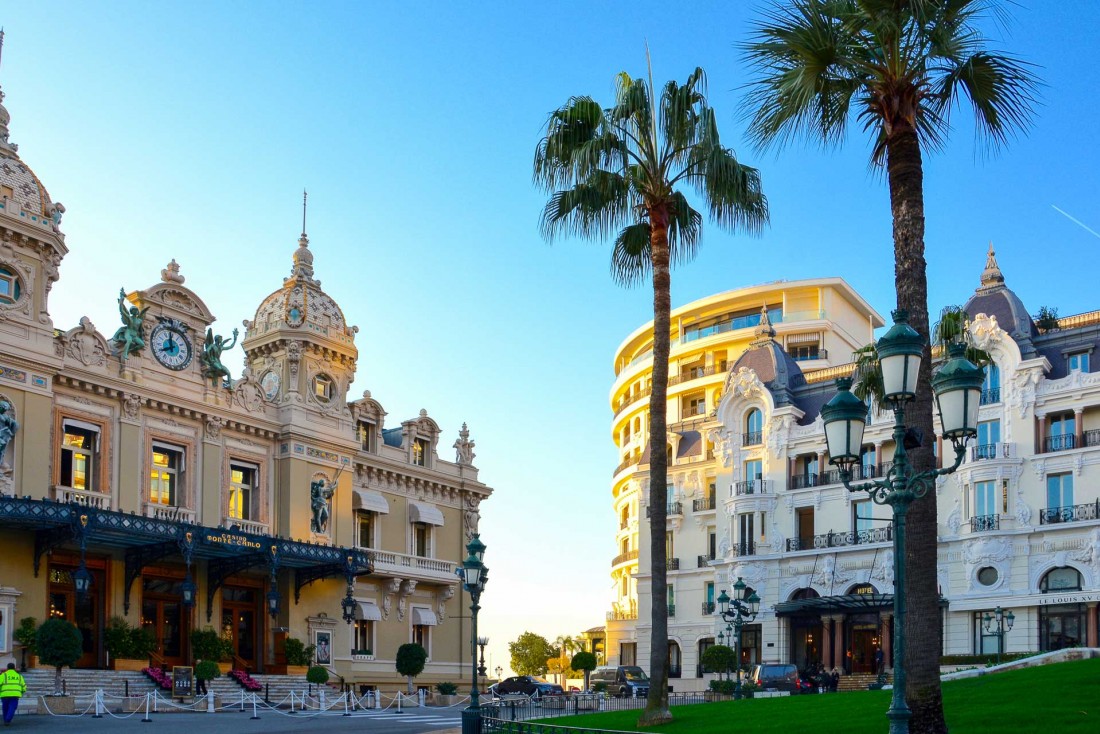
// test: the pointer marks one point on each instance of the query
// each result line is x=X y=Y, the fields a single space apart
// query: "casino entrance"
x=164 y=615
x=86 y=613
x=242 y=624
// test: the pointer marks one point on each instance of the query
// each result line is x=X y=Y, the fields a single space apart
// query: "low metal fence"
x=503 y=714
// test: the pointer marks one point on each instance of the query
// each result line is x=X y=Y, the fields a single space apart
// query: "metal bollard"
x=267 y=693
x=254 y=714
x=147 y=720
x=210 y=702
x=399 y=702
x=346 y=712
x=420 y=697
x=98 y=704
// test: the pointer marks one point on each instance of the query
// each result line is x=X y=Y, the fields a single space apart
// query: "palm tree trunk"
x=656 y=710
x=923 y=626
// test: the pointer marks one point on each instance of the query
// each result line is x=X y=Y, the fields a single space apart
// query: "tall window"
x=862 y=512
x=165 y=476
x=985 y=643
x=754 y=470
x=754 y=427
x=989 y=435
x=364 y=529
x=365 y=433
x=1059 y=490
x=695 y=405
x=1063 y=431
x=745 y=533
x=1078 y=362
x=422 y=539
x=712 y=544
x=985 y=499
x=422 y=635
x=669 y=546
x=242 y=487
x=420 y=450
x=363 y=644
x=991 y=386
x=671 y=600
x=868 y=461
x=79 y=455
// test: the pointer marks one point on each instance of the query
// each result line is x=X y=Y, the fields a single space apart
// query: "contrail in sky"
x=1078 y=222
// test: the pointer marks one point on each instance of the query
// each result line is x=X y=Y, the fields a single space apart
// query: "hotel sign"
x=1069 y=598
x=230 y=540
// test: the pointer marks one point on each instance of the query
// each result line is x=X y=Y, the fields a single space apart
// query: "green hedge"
x=990 y=659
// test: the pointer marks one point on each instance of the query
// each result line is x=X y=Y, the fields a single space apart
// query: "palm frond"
x=630 y=260
x=595 y=208
x=867 y=382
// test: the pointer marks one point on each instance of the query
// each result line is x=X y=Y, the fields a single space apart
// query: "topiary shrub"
x=60 y=644
x=411 y=658
x=297 y=652
x=207 y=670
x=317 y=675
x=585 y=661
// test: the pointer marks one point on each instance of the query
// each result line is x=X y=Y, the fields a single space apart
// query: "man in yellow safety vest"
x=12 y=688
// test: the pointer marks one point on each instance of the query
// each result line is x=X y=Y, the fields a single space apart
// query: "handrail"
x=156 y=660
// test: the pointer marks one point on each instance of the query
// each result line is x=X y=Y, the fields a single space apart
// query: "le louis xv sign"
x=1069 y=598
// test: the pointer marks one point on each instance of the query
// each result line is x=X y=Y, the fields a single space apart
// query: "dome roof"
x=26 y=189
x=994 y=298
x=301 y=304
x=775 y=368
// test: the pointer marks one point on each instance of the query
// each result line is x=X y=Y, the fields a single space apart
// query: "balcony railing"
x=672 y=610
x=752 y=438
x=751 y=486
x=404 y=565
x=673 y=508
x=674 y=671
x=1070 y=513
x=672 y=564
x=622 y=615
x=992 y=395
x=631 y=555
x=841 y=540
x=628 y=461
x=807 y=355
x=832 y=476
x=176 y=514
x=247 y=526
x=693 y=374
x=98 y=500
x=1061 y=442
x=701 y=505
x=703 y=561
x=623 y=524
x=744 y=548
x=628 y=400
x=982 y=523
x=708 y=608
x=1092 y=438
x=988 y=451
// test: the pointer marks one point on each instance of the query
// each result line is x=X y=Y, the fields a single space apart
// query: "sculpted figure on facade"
x=471 y=515
x=464 y=447
x=131 y=405
x=8 y=428
x=1090 y=553
x=130 y=337
x=211 y=358
x=320 y=494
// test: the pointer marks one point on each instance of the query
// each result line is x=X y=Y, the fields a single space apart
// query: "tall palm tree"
x=616 y=172
x=899 y=67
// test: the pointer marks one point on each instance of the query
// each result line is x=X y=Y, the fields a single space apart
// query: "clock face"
x=171 y=347
x=270 y=385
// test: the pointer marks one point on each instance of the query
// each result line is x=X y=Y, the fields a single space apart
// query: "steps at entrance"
x=859 y=681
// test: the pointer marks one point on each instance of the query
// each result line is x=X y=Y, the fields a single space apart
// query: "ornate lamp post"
x=499 y=670
x=481 y=643
x=474 y=576
x=738 y=612
x=1003 y=622
x=957 y=386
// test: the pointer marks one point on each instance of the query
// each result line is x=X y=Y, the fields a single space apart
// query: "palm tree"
x=900 y=66
x=615 y=172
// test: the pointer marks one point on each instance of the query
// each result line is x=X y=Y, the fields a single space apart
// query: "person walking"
x=12 y=688
x=879 y=661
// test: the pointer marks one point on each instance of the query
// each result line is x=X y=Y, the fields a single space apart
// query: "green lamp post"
x=738 y=611
x=474 y=576
x=957 y=386
x=1003 y=623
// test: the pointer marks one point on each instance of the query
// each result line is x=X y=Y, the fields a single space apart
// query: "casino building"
x=139 y=480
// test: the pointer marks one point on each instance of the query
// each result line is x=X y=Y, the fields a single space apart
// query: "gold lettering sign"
x=229 y=539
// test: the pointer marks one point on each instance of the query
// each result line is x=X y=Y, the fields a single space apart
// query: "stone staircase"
x=859 y=681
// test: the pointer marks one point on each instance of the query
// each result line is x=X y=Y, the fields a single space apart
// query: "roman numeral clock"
x=170 y=343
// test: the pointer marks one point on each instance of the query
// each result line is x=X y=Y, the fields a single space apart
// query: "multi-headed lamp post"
x=738 y=612
x=1003 y=622
x=957 y=388
x=474 y=576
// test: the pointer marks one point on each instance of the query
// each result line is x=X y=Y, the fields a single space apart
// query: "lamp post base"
x=899 y=720
x=471 y=720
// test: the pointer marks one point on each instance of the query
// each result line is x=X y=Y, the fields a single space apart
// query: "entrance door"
x=240 y=624
x=865 y=640
x=86 y=613
x=164 y=616
x=806 y=636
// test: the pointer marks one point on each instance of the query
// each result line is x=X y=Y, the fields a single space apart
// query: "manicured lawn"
x=1052 y=699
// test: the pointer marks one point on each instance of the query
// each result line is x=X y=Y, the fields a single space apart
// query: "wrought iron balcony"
x=752 y=486
x=627 y=400
x=631 y=555
x=744 y=548
x=673 y=508
x=841 y=540
x=990 y=396
x=672 y=564
x=1092 y=438
x=752 y=438
x=981 y=523
x=701 y=505
x=692 y=374
x=802 y=481
x=622 y=615
x=672 y=610
x=627 y=462
x=708 y=608
x=988 y=451
x=1061 y=442
x=674 y=671
x=1070 y=513
x=703 y=561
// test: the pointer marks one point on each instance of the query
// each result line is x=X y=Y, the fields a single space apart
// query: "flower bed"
x=158 y=676
x=245 y=680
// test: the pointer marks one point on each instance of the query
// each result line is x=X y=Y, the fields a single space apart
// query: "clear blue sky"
x=188 y=130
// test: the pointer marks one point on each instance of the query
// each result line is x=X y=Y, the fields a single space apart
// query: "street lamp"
x=738 y=612
x=1003 y=622
x=499 y=671
x=957 y=388
x=474 y=576
x=482 y=642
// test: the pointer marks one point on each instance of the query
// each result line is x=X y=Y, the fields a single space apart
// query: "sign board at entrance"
x=182 y=677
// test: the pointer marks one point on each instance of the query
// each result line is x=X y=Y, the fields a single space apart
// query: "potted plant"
x=362 y=654
x=129 y=647
x=207 y=644
x=447 y=693
x=24 y=635
x=298 y=656
x=60 y=644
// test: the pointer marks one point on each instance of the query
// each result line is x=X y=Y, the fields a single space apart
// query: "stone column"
x=1040 y=436
x=827 y=642
x=838 y=642
x=1079 y=427
x=1091 y=621
x=886 y=641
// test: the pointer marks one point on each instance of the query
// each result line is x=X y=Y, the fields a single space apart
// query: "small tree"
x=718 y=659
x=317 y=675
x=24 y=635
x=206 y=670
x=529 y=654
x=410 y=661
x=1047 y=318
x=60 y=644
x=585 y=661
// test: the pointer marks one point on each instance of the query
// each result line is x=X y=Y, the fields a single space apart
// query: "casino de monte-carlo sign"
x=1069 y=597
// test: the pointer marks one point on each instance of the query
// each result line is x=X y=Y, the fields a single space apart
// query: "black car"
x=528 y=685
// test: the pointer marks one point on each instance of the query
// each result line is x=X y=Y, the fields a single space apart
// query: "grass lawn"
x=1053 y=699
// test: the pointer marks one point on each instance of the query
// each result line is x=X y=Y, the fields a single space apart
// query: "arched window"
x=1061 y=625
x=674 y=667
x=1061 y=579
x=754 y=428
x=806 y=593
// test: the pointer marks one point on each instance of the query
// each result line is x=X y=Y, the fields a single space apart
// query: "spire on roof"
x=991 y=276
x=303 y=258
x=5 y=118
x=764 y=330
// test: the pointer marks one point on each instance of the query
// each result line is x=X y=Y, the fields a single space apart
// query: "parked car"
x=623 y=681
x=776 y=677
x=528 y=685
